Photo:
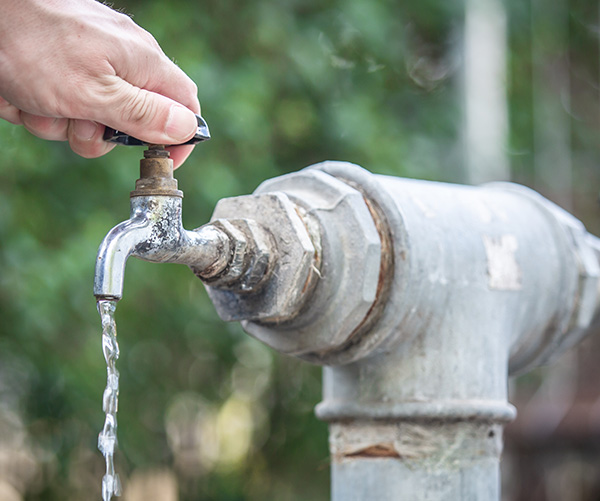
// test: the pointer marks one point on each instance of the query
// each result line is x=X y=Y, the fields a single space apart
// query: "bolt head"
x=271 y=222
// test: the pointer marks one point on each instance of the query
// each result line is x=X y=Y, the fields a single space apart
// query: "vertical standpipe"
x=419 y=299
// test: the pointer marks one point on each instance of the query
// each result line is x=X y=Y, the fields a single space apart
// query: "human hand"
x=70 y=67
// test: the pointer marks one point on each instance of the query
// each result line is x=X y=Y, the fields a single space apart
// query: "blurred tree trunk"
x=484 y=92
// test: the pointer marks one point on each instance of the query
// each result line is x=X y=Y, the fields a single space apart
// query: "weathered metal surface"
x=154 y=232
x=349 y=278
x=344 y=409
x=293 y=273
x=529 y=256
x=474 y=282
x=252 y=260
x=418 y=297
x=416 y=461
x=421 y=444
x=156 y=174
x=483 y=275
x=580 y=252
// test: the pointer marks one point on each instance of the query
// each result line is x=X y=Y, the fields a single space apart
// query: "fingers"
x=9 y=112
x=137 y=112
x=86 y=139
x=151 y=117
x=179 y=154
x=52 y=129
x=123 y=80
x=149 y=68
x=175 y=84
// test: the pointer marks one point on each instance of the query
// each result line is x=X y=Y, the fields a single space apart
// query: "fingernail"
x=84 y=129
x=181 y=124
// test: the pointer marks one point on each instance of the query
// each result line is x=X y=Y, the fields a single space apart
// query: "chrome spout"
x=155 y=233
x=113 y=253
x=232 y=254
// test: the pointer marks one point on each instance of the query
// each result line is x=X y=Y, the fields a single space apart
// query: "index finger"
x=150 y=69
x=177 y=85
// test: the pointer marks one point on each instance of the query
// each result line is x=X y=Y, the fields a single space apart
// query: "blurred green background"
x=206 y=411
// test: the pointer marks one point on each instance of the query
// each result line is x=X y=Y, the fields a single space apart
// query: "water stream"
x=107 y=439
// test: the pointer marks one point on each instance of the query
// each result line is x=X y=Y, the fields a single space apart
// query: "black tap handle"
x=115 y=136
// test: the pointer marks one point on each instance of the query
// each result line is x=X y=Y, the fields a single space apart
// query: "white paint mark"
x=504 y=272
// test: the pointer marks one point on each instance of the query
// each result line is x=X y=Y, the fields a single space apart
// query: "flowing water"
x=107 y=439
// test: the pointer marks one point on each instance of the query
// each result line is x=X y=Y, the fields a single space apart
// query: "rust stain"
x=375 y=451
x=386 y=272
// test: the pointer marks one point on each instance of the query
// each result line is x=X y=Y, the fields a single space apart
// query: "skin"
x=68 y=68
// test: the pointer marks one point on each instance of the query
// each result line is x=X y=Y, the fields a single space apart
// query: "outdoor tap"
x=154 y=232
x=219 y=252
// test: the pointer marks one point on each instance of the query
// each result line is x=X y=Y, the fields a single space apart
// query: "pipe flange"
x=350 y=277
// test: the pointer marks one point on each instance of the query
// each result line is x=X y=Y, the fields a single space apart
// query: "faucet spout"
x=154 y=232
x=113 y=253
x=230 y=254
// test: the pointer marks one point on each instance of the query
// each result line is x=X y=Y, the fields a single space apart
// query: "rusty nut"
x=273 y=226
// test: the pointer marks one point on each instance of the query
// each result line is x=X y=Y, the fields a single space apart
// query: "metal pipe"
x=220 y=253
x=428 y=296
x=418 y=298
x=155 y=233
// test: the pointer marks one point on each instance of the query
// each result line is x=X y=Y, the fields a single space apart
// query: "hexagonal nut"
x=262 y=258
x=238 y=247
x=252 y=260
x=277 y=225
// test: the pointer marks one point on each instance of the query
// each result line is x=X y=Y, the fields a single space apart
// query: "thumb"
x=149 y=116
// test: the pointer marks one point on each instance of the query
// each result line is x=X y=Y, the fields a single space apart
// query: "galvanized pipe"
x=490 y=280
x=428 y=296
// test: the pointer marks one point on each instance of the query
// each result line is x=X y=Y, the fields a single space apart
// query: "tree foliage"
x=282 y=85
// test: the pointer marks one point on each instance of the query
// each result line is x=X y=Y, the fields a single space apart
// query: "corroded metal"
x=348 y=284
x=428 y=295
x=287 y=252
x=154 y=232
x=328 y=240
x=487 y=279
x=419 y=299
x=156 y=174
x=415 y=460
x=251 y=260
